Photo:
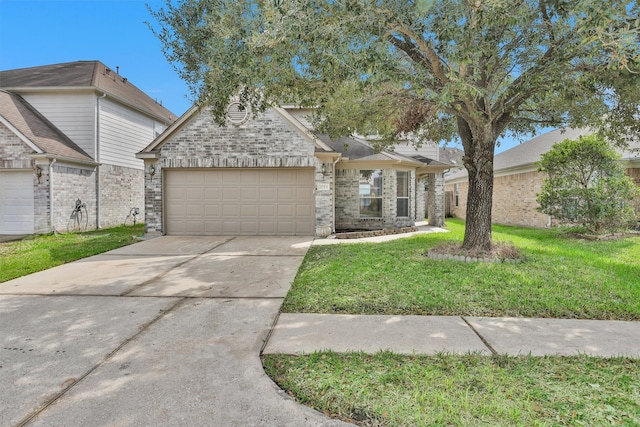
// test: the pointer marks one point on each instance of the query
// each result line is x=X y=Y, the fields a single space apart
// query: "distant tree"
x=472 y=70
x=586 y=185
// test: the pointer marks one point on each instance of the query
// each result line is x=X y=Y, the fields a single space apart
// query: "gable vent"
x=237 y=114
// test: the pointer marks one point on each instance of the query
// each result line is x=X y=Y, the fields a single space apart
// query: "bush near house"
x=587 y=186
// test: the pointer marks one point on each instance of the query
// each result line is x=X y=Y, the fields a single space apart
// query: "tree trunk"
x=479 y=146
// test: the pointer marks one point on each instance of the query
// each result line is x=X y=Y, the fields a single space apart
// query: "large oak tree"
x=472 y=70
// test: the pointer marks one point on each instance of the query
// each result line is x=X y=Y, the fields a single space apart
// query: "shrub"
x=586 y=185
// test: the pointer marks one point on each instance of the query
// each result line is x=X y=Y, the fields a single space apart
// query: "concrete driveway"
x=164 y=332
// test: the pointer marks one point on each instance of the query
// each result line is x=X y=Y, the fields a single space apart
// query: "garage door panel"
x=249 y=194
x=249 y=211
x=231 y=227
x=196 y=211
x=213 y=228
x=267 y=211
x=16 y=202
x=230 y=194
x=268 y=193
x=195 y=179
x=212 y=211
x=230 y=211
x=268 y=177
x=249 y=228
x=304 y=211
x=212 y=193
x=286 y=194
x=240 y=202
x=194 y=226
x=267 y=228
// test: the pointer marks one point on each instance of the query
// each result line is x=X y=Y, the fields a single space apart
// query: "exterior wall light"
x=152 y=171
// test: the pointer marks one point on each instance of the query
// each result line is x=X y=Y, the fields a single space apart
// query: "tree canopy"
x=471 y=70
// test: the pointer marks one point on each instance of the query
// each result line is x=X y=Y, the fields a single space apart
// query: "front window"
x=456 y=189
x=402 y=186
x=371 y=193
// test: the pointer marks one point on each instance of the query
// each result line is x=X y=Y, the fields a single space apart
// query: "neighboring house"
x=453 y=157
x=517 y=181
x=70 y=132
x=272 y=175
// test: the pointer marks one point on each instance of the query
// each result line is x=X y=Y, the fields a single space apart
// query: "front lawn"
x=40 y=252
x=444 y=390
x=561 y=277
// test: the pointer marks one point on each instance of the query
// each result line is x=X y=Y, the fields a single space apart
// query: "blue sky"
x=42 y=32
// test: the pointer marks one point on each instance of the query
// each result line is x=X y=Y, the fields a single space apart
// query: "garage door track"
x=164 y=332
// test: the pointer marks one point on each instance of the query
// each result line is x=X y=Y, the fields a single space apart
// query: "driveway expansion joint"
x=483 y=339
x=105 y=359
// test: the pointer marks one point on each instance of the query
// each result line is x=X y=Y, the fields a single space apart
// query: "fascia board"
x=63 y=159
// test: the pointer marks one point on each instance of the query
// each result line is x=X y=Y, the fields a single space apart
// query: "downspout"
x=97 y=159
x=51 y=216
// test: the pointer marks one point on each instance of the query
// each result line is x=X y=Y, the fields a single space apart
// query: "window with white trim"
x=370 y=189
x=402 y=193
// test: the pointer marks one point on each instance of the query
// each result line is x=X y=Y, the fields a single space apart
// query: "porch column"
x=435 y=199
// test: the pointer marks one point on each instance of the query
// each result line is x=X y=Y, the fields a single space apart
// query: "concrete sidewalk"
x=307 y=333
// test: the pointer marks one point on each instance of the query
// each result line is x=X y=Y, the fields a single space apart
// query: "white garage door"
x=246 y=202
x=16 y=202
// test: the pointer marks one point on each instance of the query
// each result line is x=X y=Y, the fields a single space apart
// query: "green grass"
x=40 y=252
x=561 y=277
x=470 y=390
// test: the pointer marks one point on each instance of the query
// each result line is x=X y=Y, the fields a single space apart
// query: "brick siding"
x=71 y=184
x=13 y=151
x=121 y=189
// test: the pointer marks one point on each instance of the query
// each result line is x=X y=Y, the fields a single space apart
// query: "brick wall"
x=13 y=152
x=458 y=210
x=348 y=202
x=121 y=189
x=267 y=141
x=514 y=200
x=70 y=184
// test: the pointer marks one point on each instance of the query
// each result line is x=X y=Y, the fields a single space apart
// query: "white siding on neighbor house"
x=123 y=133
x=428 y=150
x=73 y=114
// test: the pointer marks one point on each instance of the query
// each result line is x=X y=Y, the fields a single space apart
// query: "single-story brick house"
x=272 y=175
x=517 y=180
x=70 y=132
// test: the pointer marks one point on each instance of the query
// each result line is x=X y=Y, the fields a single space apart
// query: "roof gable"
x=36 y=131
x=84 y=74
